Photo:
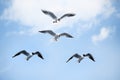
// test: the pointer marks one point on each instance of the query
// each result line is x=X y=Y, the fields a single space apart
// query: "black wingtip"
x=42 y=58
x=41 y=31
x=94 y=60
x=72 y=37
x=42 y=10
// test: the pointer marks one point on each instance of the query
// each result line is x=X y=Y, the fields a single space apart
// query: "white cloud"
x=104 y=34
x=28 y=12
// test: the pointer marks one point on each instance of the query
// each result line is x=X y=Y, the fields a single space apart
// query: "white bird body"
x=53 y=16
x=56 y=37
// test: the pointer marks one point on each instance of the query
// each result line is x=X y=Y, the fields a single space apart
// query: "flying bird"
x=89 y=56
x=27 y=54
x=53 y=16
x=76 y=56
x=56 y=36
x=81 y=57
x=38 y=54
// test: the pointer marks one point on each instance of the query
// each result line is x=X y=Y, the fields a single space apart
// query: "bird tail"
x=28 y=57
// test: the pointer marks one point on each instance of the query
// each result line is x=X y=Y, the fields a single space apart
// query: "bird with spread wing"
x=53 y=16
x=56 y=36
x=28 y=54
x=81 y=57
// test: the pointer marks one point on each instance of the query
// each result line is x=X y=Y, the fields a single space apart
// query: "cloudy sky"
x=95 y=27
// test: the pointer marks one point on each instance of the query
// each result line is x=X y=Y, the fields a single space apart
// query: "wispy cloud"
x=28 y=12
x=104 y=34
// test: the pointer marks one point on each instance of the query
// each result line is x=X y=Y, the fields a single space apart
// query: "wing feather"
x=21 y=52
x=66 y=34
x=69 y=59
x=66 y=15
x=51 y=14
x=90 y=56
x=48 y=31
x=75 y=55
x=38 y=54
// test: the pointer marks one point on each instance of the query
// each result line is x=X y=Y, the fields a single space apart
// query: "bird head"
x=84 y=55
x=58 y=19
x=33 y=53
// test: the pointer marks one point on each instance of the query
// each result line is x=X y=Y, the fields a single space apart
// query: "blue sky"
x=95 y=29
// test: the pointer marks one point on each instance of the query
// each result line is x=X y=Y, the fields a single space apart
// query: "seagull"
x=89 y=56
x=27 y=54
x=52 y=15
x=81 y=57
x=56 y=36
x=76 y=56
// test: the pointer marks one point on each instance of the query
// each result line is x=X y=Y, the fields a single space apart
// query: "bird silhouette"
x=56 y=36
x=53 y=16
x=28 y=54
x=81 y=57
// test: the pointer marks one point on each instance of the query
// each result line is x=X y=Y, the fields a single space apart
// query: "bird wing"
x=22 y=52
x=48 y=31
x=90 y=57
x=49 y=13
x=66 y=34
x=75 y=55
x=39 y=54
x=69 y=59
x=66 y=15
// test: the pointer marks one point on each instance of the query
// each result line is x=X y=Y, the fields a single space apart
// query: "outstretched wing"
x=21 y=52
x=90 y=56
x=69 y=59
x=48 y=31
x=49 y=13
x=66 y=34
x=39 y=54
x=75 y=55
x=66 y=15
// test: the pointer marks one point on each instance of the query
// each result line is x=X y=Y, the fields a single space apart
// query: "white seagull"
x=52 y=15
x=28 y=54
x=81 y=57
x=56 y=36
